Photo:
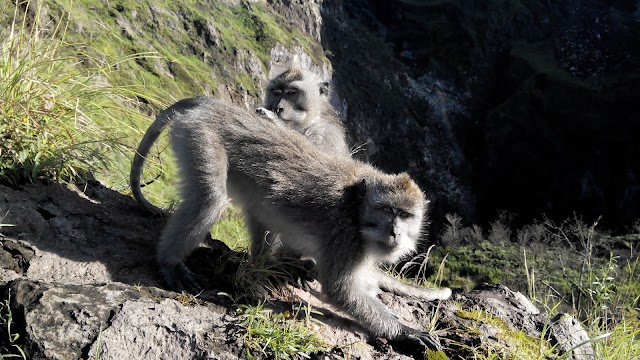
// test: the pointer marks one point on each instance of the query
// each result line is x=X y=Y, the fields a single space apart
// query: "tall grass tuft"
x=60 y=116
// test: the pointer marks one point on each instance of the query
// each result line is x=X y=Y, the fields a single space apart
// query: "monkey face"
x=290 y=103
x=390 y=222
x=296 y=97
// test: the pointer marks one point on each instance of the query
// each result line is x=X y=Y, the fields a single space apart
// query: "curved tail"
x=160 y=123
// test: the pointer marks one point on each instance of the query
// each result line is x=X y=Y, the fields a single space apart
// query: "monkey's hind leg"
x=267 y=246
x=204 y=198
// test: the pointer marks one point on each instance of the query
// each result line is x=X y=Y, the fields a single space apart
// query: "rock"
x=166 y=330
x=83 y=284
x=571 y=337
x=540 y=93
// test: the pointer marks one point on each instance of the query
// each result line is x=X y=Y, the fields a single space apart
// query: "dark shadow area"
x=528 y=107
x=92 y=227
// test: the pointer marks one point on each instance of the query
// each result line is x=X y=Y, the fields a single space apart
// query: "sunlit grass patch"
x=60 y=117
x=280 y=335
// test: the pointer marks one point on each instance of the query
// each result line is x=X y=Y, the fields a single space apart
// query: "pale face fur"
x=296 y=97
x=390 y=219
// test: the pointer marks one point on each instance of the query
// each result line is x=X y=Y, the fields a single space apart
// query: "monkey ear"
x=324 y=88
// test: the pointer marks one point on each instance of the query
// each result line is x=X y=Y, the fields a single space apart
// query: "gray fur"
x=345 y=214
x=139 y=158
x=299 y=100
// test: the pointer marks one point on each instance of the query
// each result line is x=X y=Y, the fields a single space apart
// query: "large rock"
x=78 y=268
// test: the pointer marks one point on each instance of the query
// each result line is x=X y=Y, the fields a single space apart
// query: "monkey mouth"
x=390 y=242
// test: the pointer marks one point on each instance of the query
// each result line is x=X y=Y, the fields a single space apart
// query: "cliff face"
x=524 y=106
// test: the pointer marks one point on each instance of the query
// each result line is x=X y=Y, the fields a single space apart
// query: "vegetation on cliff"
x=78 y=81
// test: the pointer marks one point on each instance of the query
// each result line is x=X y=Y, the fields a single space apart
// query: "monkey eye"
x=405 y=215
x=386 y=209
x=276 y=92
x=290 y=91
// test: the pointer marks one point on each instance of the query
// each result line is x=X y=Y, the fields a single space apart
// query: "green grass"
x=9 y=348
x=231 y=229
x=563 y=267
x=60 y=117
x=160 y=52
x=280 y=335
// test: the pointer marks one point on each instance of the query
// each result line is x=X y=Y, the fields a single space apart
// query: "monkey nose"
x=279 y=110
x=393 y=240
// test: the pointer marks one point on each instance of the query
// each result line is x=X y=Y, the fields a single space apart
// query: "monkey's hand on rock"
x=179 y=278
x=416 y=342
x=298 y=272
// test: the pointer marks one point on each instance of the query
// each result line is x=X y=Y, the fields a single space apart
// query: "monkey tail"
x=162 y=121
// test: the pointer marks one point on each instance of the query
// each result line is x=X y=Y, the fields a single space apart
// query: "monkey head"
x=296 y=97
x=391 y=216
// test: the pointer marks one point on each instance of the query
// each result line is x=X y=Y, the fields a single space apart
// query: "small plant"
x=452 y=232
x=280 y=336
x=602 y=294
x=500 y=231
x=257 y=276
x=635 y=227
x=455 y=233
x=9 y=347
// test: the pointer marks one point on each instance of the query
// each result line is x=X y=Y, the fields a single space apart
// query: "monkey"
x=297 y=99
x=345 y=214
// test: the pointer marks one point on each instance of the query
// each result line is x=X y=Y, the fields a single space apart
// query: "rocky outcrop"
x=78 y=275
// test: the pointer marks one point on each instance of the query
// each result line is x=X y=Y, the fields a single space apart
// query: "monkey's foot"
x=417 y=343
x=179 y=278
x=297 y=272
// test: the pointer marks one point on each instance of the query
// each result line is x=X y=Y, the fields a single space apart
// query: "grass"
x=568 y=266
x=9 y=348
x=78 y=85
x=281 y=335
x=60 y=117
x=231 y=229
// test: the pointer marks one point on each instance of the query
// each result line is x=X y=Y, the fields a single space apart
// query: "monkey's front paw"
x=297 y=272
x=179 y=278
x=262 y=112
x=445 y=293
x=417 y=343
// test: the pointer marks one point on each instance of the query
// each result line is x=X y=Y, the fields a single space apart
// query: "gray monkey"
x=345 y=214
